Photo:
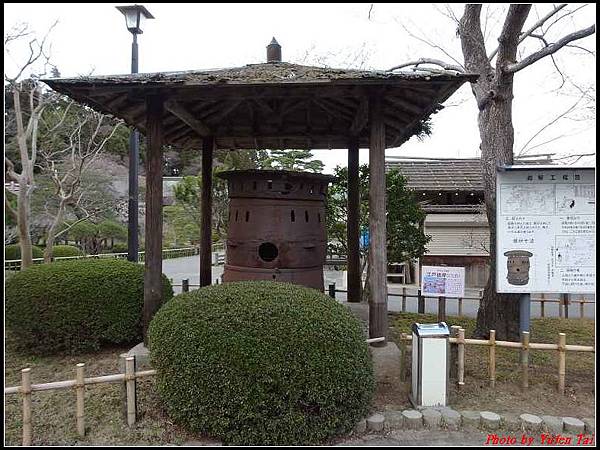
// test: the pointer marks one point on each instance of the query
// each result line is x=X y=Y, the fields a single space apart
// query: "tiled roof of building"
x=447 y=174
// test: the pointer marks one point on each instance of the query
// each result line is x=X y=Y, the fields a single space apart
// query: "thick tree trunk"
x=23 y=226
x=496 y=311
x=493 y=92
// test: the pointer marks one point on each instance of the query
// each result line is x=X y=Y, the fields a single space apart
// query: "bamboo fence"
x=458 y=342
x=130 y=375
x=78 y=385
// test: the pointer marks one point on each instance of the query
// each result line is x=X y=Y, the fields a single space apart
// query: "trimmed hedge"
x=65 y=250
x=261 y=363
x=78 y=305
x=13 y=251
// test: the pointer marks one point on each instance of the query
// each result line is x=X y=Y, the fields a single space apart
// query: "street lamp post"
x=134 y=18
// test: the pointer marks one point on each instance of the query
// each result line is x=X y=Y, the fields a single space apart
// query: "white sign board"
x=442 y=281
x=546 y=229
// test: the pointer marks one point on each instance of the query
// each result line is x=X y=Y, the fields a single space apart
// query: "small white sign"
x=442 y=281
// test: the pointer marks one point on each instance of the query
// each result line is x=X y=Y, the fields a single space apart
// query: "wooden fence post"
x=80 y=392
x=525 y=358
x=402 y=357
x=542 y=304
x=581 y=308
x=453 y=353
x=26 y=392
x=493 y=358
x=460 y=304
x=420 y=302
x=441 y=309
x=561 y=307
x=562 y=342
x=565 y=298
x=461 y=358
x=131 y=391
x=403 y=299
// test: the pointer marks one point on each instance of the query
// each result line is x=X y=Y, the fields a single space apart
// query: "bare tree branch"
x=436 y=62
x=552 y=48
x=535 y=26
x=553 y=121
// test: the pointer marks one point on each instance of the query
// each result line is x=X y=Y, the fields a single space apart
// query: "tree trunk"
x=23 y=225
x=52 y=232
x=493 y=92
x=496 y=311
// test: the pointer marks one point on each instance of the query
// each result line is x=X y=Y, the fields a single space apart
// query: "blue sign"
x=364 y=238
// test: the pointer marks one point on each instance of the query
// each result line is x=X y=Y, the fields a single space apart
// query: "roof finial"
x=274 y=51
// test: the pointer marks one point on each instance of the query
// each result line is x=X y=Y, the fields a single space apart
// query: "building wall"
x=459 y=240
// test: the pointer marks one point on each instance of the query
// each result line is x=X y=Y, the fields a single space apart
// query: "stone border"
x=449 y=419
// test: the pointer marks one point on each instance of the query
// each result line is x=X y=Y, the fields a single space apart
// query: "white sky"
x=93 y=37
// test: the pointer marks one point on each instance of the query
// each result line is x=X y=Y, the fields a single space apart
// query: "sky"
x=92 y=38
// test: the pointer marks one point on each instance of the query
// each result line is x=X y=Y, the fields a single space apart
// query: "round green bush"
x=77 y=305
x=65 y=250
x=261 y=363
x=13 y=251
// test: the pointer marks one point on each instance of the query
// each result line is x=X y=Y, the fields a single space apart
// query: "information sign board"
x=546 y=229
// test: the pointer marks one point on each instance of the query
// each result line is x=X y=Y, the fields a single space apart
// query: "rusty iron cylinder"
x=518 y=267
x=273 y=51
x=277 y=228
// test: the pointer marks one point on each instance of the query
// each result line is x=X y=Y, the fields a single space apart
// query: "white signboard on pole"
x=442 y=281
x=546 y=229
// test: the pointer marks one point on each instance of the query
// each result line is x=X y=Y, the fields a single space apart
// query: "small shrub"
x=77 y=305
x=119 y=248
x=261 y=363
x=65 y=250
x=13 y=251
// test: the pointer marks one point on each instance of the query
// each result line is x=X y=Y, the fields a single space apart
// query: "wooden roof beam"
x=361 y=118
x=197 y=125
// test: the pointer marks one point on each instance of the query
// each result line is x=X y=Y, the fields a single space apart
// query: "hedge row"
x=77 y=305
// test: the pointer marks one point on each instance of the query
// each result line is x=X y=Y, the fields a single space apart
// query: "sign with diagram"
x=442 y=281
x=546 y=229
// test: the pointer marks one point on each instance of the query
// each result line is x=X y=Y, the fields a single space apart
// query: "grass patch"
x=53 y=416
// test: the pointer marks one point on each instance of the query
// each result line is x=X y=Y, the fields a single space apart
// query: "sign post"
x=546 y=232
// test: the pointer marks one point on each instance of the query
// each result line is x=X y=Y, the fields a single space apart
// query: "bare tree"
x=493 y=92
x=87 y=136
x=29 y=101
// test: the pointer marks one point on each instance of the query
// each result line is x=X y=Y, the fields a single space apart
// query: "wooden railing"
x=457 y=354
x=129 y=378
x=563 y=302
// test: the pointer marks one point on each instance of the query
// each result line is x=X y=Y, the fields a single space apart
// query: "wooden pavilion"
x=273 y=105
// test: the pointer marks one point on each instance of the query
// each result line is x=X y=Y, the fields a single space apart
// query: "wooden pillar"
x=208 y=145
x=354 y=275
x=377 y=222
x=154 y=195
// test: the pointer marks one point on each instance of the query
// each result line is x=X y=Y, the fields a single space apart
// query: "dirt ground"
x=54 y=411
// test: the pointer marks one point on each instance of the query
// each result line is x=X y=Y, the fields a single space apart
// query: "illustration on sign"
x=442 y=281
x=518 y=267
x=546 y=229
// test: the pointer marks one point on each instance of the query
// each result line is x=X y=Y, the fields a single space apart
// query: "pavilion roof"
x=269 y=105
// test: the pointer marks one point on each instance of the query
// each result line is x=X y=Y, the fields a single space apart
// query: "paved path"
x=420 y=438
x=188 y=268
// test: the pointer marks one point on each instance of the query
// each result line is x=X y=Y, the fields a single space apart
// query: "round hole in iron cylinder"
x=267 y=251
